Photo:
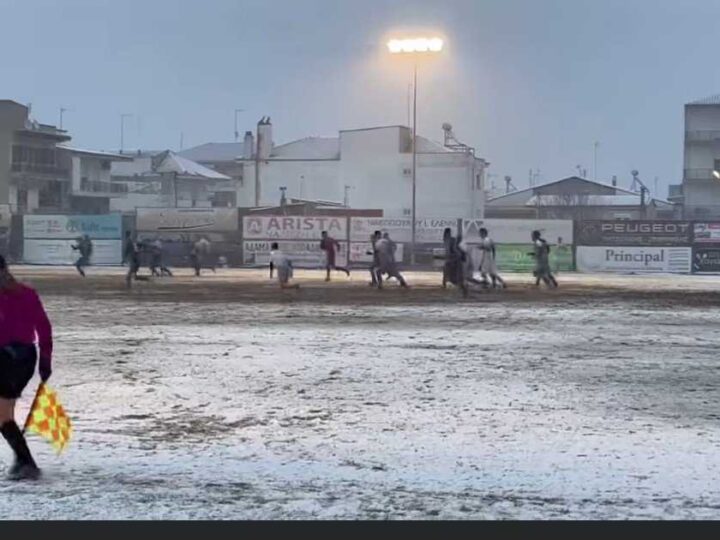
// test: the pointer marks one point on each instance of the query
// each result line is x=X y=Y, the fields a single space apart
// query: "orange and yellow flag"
x=47 y=418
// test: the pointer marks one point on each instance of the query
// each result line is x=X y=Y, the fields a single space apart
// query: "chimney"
x=248 y=145
x=614 y=181
x=264 y=139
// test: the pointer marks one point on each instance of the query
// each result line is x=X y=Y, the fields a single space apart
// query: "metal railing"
x=100 y=187
x=702 y=135
x=38 y=168
x=699 y=174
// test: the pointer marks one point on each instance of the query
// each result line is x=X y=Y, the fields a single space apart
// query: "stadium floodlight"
x=416 y=45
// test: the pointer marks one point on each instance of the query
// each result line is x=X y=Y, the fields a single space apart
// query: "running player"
x=375 y=275
x=455 y=259
x=387 y=264
x=330 y=246
x=488 y=265
x=283 y=266
x=85 y=247
x=541 y=254
x=22 y=317
x=131 y=256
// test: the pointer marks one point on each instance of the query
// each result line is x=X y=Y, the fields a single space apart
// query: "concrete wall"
x=12 y=117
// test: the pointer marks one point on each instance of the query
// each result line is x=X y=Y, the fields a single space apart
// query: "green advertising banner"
x=516 y=258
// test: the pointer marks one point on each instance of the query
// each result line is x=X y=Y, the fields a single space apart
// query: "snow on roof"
x=710 y=100
x=214 y=152
x=171 y=162
x=97 y=153
x=308 y=148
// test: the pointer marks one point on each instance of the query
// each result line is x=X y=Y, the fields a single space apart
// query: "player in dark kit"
x=131 y=256
x=541 y=254
x=330 y=246
x=85 y=247
x=22 y=317
x=455 y=259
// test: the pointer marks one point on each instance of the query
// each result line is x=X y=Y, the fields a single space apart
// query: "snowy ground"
x=225 y=398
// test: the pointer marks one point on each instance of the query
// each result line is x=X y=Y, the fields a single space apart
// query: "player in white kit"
x=283 y=266
x=488 y=264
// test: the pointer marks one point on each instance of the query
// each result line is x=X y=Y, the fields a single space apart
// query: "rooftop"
x=710 y=100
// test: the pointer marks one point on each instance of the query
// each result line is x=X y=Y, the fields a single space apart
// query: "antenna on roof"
x=509 y=187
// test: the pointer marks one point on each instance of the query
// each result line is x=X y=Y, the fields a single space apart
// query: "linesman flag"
x=47 y=418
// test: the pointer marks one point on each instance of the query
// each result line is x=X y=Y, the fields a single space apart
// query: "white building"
x=363 y=168
x=700 y=187
x=167 y=180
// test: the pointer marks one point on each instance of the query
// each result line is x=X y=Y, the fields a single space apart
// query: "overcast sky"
x=529 y=83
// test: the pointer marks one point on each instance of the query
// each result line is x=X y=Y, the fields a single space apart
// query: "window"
x=407 y=212
x=407 y=171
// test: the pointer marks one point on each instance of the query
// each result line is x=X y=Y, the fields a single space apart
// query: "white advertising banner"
x=187 y=219
x=427 y=231
x=359 y=252
x=705 y=233
x=517 y=231
x=635 y=259
x=60 y=252
x=293 y=227
x=69 y=227
x=303 y=254
x=5 y=217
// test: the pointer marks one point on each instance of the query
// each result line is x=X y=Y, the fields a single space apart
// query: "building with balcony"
x=167 y=180
x=91 y=186
x=33 y=174
x=700 y=191
x=40 y=173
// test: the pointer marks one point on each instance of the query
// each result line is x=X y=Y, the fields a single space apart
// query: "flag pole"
x=32 y=407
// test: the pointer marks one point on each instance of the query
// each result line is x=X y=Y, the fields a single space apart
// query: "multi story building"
x=701 y=179
x=39 y=172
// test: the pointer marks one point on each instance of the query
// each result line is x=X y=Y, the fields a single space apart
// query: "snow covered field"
x=225 y=398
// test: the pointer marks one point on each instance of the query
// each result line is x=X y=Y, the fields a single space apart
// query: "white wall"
x=304 y=179
x=379 y=176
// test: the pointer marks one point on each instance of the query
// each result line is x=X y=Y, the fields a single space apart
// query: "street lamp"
x=415 y=46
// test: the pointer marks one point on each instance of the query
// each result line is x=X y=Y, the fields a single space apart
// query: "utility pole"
x=63 y=110
x=595 y=154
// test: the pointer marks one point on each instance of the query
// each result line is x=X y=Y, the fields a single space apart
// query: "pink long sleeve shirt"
x=22 y=318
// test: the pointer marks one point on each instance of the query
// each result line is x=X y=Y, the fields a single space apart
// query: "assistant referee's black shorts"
x=17 y=366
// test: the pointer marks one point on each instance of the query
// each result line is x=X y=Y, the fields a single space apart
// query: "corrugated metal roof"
x=592 y=200
x=710 y=100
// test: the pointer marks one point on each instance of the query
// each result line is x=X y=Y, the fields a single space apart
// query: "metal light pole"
x=414 y=46
x=122 y=130
x=595 y=151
